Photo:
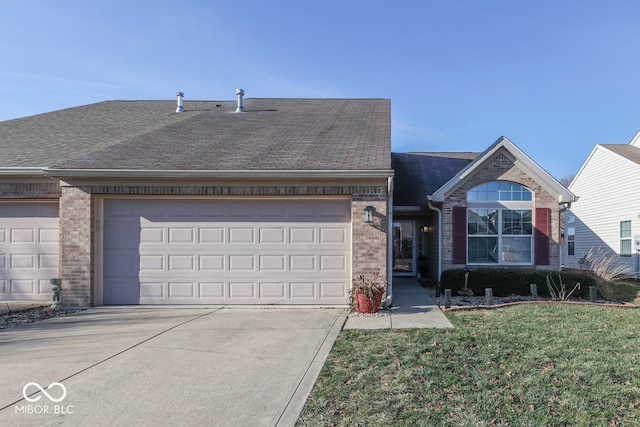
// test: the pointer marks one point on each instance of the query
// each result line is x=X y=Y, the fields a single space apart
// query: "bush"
x=506 y=282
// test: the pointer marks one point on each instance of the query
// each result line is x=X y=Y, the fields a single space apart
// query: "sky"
x=555 y=77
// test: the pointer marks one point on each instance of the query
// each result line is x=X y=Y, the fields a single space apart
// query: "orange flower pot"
x=368 y=304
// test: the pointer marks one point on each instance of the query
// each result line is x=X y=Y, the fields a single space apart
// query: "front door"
x=404 y=254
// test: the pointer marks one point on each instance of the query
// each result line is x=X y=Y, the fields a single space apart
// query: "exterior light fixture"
x=368 y=214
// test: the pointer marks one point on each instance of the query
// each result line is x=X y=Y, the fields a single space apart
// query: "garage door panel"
x=333 y=263
x=332 y=289
x=181 y=290
x=214 y=290
x=211 y=235
x=302 y=235
x=272 y=263
x=272 y=235
x=152 y=235
x=333 y=235
x=241 y=235
x=18 y=261
x=29 y=249
x=22 y=235
x=152 y=290
x=273 y=290
x=211 y=262
x=152 y=263
x=237 y=251
x=179 y=235
x=303 y=290
x=23 y=287
x=181 y=263
x=242 y=290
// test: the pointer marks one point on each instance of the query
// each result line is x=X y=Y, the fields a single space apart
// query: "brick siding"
x=500 y=168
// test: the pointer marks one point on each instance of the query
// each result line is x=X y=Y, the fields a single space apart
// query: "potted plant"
x=367 y=292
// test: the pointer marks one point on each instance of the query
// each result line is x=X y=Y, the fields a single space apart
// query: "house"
x=611 y=227
x=250 y=201
x=253 y=201
x=492 y=209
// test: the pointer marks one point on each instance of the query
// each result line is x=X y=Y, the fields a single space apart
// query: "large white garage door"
x=29 y=250
x=223 y=251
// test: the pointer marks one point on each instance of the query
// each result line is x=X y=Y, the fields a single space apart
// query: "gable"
x=500 y=160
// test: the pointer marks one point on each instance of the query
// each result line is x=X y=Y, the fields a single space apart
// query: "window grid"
x=499 y=191
x=571 y=241
x=625 y=238
x=499 y=236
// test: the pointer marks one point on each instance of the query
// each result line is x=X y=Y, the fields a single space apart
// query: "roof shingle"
x=272 y=134
x=418 y=175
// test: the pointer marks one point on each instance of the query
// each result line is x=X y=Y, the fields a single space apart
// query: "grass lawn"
x=540 y=365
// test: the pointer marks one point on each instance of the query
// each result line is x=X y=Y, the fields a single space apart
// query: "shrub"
x=513 y=281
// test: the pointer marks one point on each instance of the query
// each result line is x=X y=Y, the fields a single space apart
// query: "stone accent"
x=501 y=168
x=77 y=223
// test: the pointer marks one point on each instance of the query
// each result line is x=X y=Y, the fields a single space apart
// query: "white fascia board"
x=216 y=174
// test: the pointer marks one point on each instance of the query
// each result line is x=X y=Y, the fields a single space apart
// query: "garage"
x=226 y=251
x=29 y=250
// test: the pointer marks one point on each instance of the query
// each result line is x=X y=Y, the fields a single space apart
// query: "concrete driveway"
x=165 y=366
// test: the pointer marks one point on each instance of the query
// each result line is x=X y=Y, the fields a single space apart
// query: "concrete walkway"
x=412 y=308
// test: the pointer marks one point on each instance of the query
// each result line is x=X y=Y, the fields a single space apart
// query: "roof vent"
x=180 y=108
x=240 y=93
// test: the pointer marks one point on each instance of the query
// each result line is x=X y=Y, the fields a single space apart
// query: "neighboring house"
x=132 y=202
x=608 y=226
x=470 y=210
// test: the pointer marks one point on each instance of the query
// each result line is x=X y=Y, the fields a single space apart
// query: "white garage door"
x=222 y=251
x=28 y=250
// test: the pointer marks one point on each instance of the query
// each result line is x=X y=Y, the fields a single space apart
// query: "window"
x=625 y=238
x=571 y=241
x=499 y=233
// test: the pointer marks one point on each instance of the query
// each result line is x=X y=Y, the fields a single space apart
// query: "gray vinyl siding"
x=607 y=190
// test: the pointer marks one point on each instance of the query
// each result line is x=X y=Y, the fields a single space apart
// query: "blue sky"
x=555 y=77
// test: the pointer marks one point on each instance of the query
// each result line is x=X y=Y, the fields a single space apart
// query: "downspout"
x=389 y=300
x=565 y=207
x=439 y=238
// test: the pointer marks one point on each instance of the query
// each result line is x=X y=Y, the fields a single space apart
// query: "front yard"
x=517 y=366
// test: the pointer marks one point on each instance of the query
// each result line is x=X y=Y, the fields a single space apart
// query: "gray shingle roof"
x=418 y=175
x=630 y=152
x=273 y=134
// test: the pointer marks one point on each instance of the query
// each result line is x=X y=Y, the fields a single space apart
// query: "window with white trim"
x=571 y=240
x=625 y=238
x=500 y=224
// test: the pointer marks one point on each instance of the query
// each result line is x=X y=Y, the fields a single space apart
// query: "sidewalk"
x=412 y=308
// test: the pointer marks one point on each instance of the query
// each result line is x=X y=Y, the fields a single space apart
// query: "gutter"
x=22 y=171
x=226 y=174
x=387 y=303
